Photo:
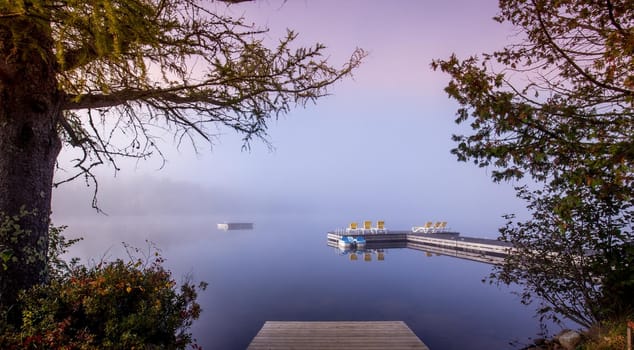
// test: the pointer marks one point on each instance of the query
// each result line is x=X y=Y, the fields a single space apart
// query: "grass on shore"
x=609 y=336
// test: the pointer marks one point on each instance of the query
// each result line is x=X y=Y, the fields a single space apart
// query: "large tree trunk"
x=29 y=145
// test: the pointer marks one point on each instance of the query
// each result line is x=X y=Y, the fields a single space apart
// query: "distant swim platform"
x=336 y=335
x=235 y=226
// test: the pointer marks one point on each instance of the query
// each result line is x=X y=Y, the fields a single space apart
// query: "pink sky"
x=401 y=36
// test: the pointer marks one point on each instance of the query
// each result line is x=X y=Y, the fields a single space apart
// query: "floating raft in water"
x=236 y=226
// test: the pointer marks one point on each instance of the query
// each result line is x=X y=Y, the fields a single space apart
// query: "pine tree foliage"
x=129 y=69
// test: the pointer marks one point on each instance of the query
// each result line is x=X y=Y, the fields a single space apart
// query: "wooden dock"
x=489 y=251
x=278 y=335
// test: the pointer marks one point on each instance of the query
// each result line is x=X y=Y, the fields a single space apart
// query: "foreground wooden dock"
x=277 y=335
x=488 y=251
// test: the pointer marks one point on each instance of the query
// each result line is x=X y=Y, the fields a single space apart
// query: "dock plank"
x=336 y=335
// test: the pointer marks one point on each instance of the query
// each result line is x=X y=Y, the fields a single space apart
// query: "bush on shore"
x=120 y=304
x=610 y=335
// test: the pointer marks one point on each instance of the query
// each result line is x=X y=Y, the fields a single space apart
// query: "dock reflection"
x=377 y=250
x=361 y=254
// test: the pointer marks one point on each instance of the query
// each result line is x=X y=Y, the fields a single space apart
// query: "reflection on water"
x=366 y=254
x=428 y=249
x=283 y=270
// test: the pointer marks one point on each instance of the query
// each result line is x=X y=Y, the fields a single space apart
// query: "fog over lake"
x=283 y=268
x=378 y=148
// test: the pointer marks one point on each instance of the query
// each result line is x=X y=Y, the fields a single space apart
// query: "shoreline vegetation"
x=611 y=336
x=118 y=304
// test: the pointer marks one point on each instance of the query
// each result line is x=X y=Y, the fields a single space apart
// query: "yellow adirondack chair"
x=367 y=226
x=380 y=226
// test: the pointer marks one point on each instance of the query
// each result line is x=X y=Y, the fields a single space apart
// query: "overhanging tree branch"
x=571 y=61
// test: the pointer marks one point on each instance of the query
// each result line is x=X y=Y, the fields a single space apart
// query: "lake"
x=283 y=269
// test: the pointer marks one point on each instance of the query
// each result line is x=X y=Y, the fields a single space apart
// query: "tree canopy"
x=558 y=106
x=109 y=77
x=133 y=65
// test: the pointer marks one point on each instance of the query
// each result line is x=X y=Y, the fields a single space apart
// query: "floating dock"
x=277 y=335
x=488 y=251
x=235 y=226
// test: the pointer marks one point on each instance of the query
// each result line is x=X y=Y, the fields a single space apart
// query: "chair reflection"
x=355 y=255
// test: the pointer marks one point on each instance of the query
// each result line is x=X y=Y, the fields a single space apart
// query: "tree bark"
x=29 y=144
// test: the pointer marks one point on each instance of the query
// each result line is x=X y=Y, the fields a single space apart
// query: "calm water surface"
x=284 y=270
